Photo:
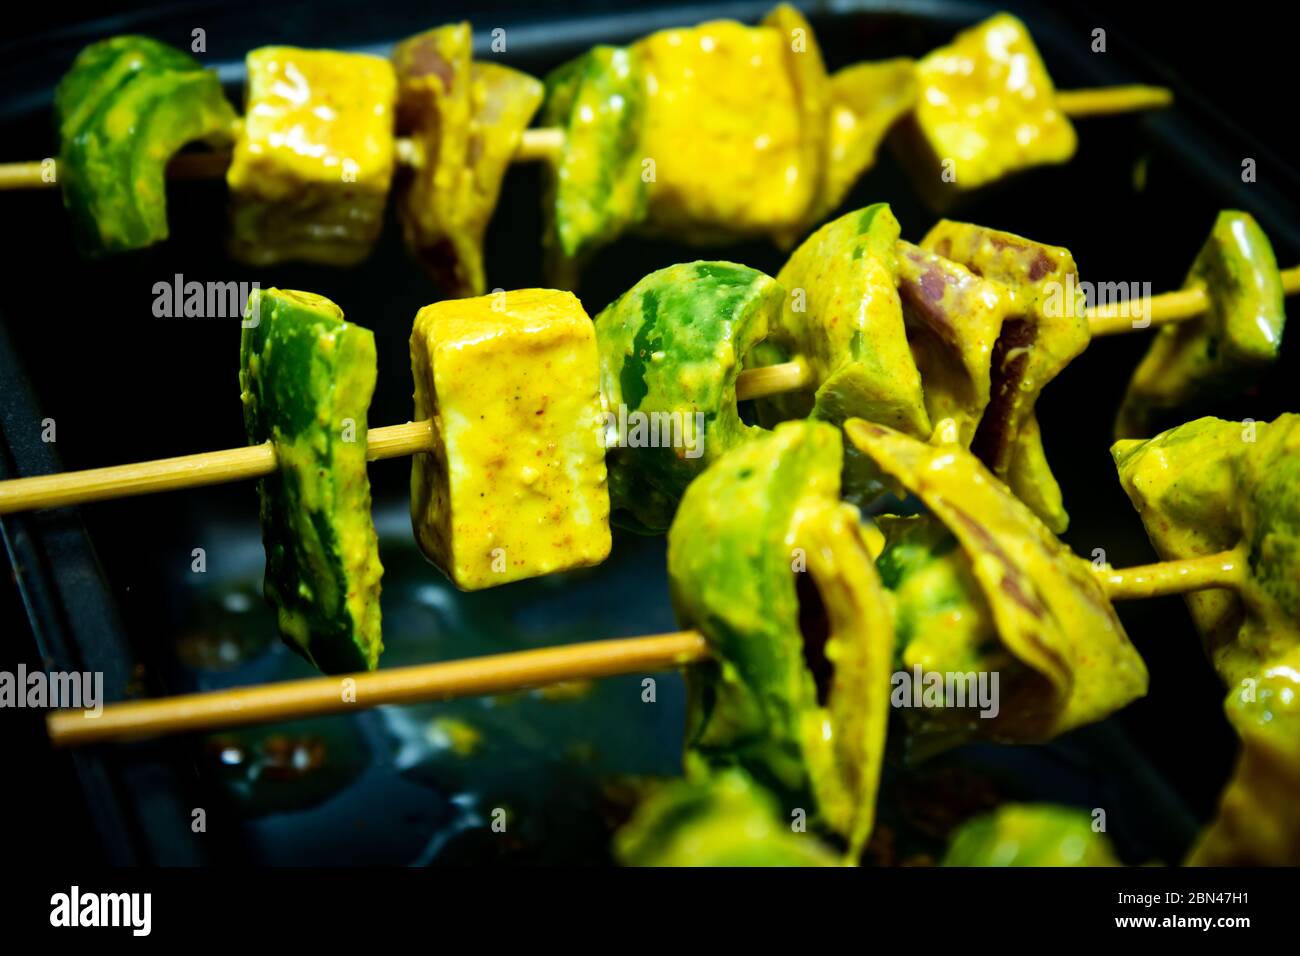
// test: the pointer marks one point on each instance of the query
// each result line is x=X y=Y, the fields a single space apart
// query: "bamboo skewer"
x=1109 y=100
x=314 y=696
x=504 y=673
x=394 y=441
x=546 y=143
x=1117 y=317
x=187 y=471
x=1223 y=569
x=254 y=461
x=535 y=145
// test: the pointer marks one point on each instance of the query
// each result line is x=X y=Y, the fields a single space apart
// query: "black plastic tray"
x=116 y=594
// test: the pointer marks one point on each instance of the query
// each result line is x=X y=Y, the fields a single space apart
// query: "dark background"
x=125 y=391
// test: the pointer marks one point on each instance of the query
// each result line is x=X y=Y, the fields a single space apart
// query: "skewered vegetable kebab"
x=726 y=112
x=783 y=712
x=1048 y=612
x=947 y=308
x=807 y=719
x=1213 y=485
x=514 y=483
x=803 y=707
x=700 y=317
x=955 y=338
x=978 y=585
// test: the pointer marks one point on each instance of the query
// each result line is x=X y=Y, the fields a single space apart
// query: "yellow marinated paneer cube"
x=723 y=126
x=314 y=159
x=987 y=104
x=516 y=484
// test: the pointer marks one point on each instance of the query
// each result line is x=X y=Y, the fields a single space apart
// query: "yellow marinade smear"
x=314 y=159
x=723 y=127
x=516 y=486
x=987 y=103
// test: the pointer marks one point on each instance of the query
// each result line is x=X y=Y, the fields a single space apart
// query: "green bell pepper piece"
x=595 y=190
x=1258 y=823
x=843 y=315
x=126 y=106
x=943 y=624
x=773 y=569
x=1030 y=835
x=723 y=820
x=670 y=351
x=1210 y=486
x=1241 y=331
x=307 y=377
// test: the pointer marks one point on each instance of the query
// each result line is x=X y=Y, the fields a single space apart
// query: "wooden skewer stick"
x=494 y=674
x=502 y=673
x=534 y=146
x=1225 y=569
x=239 y=464
x=548 y=142
x=1118 y=317
x=187 y=471
x=1109 y=100
x=393 y=441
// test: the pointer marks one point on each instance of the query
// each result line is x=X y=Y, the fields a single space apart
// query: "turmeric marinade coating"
x=516 y=484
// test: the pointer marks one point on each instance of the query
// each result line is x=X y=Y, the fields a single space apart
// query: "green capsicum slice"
x=1210 y=486
x=720 y=820
x=843 y=315
x=1049 y=609
x=1258 y=823
x=1241 y=331
x=943 y=625
x=775 y=571
x=125 y=107
x=595 y=189
x=1047 y=329
x=307 y=377
x=670 y=351
x=1030 y=834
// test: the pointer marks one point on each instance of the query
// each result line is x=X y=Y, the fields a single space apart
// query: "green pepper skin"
x=673 y=344
x=1030 y=835
x=943 y=624
x=724 y=820
x=595 y=190
x=126 y=106
x=735 y=550
x=843 y=314
x=1242 y=330
x=1258 y=823
x=307 y=377
x=1210 y=485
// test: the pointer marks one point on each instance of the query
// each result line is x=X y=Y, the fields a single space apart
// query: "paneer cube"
x=314 y=160
x=516 y=484
x=987 y=105
x=725 y=129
